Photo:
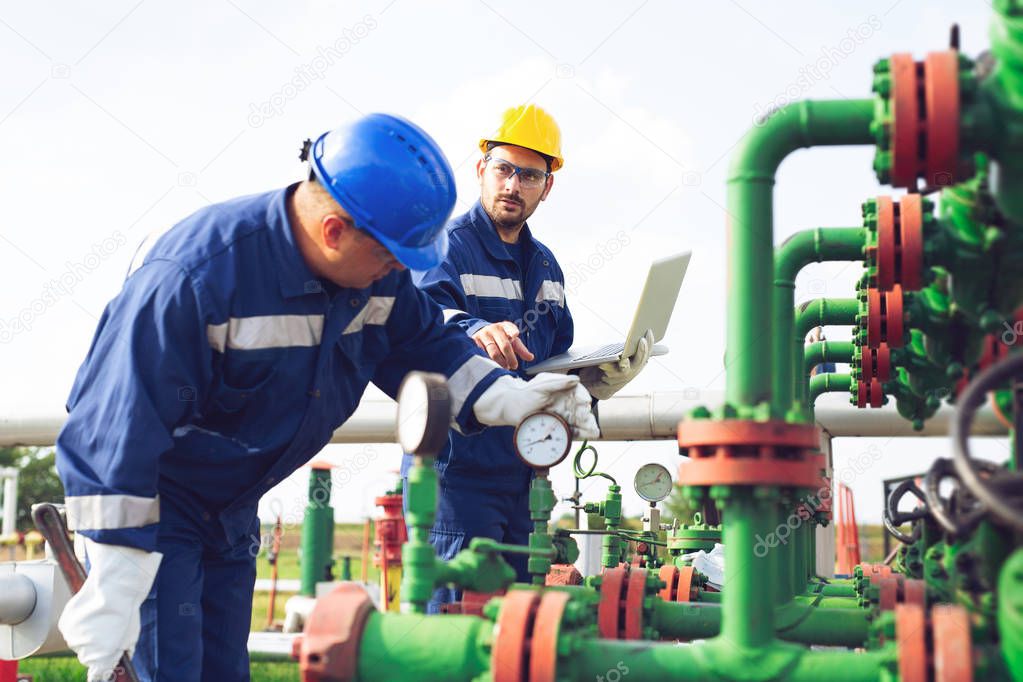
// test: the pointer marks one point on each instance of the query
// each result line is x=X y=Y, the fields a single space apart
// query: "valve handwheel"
x=893 y=518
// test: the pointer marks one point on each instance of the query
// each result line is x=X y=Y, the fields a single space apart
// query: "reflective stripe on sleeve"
x=111 y=512
x=464 y=379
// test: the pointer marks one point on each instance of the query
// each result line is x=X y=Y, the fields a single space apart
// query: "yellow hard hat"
x=531 y=127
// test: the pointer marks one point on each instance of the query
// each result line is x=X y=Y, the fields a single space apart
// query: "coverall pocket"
x=448 y=543
x=231 y=399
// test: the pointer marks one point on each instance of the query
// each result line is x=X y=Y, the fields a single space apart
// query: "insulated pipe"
x=750 y=229
x=19 y=598
x=818 y=313
x=796 y=252
x=828 y=383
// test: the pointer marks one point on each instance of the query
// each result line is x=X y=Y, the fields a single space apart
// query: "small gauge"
x=542 y=440
x=424 y=413
x=653 y=482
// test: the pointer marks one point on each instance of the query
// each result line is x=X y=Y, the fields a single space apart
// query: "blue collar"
x=484 y=227
x=295 y=277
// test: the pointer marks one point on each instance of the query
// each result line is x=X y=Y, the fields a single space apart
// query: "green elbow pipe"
x=829 y=383
x=817 y=313
x=751 y=228
x=825 y=351
x=795 y=253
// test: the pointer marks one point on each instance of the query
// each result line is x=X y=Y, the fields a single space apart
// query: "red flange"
x=329 y=649
x=914 y=592
x=911 y=229
x=508 y=659
x=905 y=133
x=669 y=576
x=634 y=594
x=941 y=94
x=875 y=314
x=684 y=592
x=609 y=608
x=888 y=593
x=866 y=363
x=883 y=362
x=910 y=633
x=543 y=650
x=894 y=317
x=953 y=651
x=746 y=452
x=886 y=243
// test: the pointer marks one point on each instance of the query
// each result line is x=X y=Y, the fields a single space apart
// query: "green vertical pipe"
x=750 y=230
x=795 y=253
x=541 y=503
x=419 y=561
x=824 y=351
x=817 y=313
x=828 y=383
x=317 y=533
x=1010 y=613
x=397 y=647
x=750 y=568
x=1002 y=90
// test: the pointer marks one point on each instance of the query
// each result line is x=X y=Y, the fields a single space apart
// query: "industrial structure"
x=937 y=319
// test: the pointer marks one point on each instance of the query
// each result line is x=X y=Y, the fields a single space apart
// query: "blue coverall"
x=484 y=487
x=222 y=366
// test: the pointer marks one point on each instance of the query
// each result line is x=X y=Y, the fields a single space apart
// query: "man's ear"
x=547 y=189
x=335 y=229
x=481 y=167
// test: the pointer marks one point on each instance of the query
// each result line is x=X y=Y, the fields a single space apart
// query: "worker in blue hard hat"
x=245 y=338
x=505 y=289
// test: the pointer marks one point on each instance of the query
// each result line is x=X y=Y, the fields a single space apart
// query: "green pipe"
x=818 y=313
x=797 y=622
x=828 y=383
x=656 y=662
x=1010 y=613
x=398 y=647
x=317 y=533
x=418 y=558
x=750 y=574
x=1001 y=91
x=825 y=351
x=838 y=590
x=750 y=213
x=541 y=503
x=796 y=252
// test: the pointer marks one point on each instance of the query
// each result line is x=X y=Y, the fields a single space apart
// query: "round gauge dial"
x=542 y=440
x=653 y=482
x=424 y=413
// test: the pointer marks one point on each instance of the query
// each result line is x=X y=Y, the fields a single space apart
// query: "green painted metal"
x=541 y=504
x=828 y=383
x=419 y=561
x=613 y=548
x=796 y=252
x=817 y=313
x=751 y=232
x=317 y=533
x=826 y=351
x=1010 y=613
x=397 y=647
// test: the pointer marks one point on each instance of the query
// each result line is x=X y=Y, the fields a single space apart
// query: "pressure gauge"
x=542 y=439
x=652 y=482
x=424 y=413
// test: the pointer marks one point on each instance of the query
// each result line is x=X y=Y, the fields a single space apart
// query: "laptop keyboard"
x=609 y=349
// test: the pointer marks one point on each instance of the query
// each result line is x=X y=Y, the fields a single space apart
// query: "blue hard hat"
x=394 y=181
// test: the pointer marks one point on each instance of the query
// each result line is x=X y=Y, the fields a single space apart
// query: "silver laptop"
x=656 y=304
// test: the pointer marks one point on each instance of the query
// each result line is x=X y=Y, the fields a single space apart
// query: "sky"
x=118 y=119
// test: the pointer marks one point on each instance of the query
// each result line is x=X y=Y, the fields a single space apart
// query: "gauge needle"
x=547 y=437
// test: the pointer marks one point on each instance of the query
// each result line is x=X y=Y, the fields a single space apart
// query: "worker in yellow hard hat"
x=507 y=291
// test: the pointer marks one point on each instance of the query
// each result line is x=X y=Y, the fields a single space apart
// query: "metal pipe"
x=817 y=313
x=750 y=226
x=19 y=598
x=828 y=383
x=650 y=416
x=795 y=253
x=825 y=351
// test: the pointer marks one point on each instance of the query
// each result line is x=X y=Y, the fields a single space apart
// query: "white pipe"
x=652 y=416
x=10 y=476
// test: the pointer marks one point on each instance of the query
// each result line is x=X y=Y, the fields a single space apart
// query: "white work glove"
x=101 y=622
x=510 y=399
x=603 y=381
